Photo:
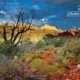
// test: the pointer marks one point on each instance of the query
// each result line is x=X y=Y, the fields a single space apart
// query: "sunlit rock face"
x=69 y=33
x=48 y=27
x=36 y=33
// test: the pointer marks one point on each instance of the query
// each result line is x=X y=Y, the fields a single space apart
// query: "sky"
x=64 y=14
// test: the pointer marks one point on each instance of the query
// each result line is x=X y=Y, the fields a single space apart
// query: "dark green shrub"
x=58 y=42
x=73 y=46
x=4 y=49
x=40 y=44
x=54 y=41
x=48 y=41
x=8 y=49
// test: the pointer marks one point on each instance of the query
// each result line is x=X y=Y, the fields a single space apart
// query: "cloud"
x=36 y=7
x=44 y=12
x=2 y=12
x=57 y=2
x=8 y=1
x=51 y=16
x=44 y=19
x=4 y=2
x=41 y=22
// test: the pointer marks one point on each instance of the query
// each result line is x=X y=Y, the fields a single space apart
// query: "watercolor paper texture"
x=39 y=39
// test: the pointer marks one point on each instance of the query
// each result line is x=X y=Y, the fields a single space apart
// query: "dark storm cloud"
x=6 y=1
x=45 y=11
x=59 y=11
x=57 y=2
x=4 y=4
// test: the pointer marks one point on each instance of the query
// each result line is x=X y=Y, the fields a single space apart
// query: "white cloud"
x=51 y=16
x=2 y=12
x=44 y=19
x=36 y=7
x=40 y=22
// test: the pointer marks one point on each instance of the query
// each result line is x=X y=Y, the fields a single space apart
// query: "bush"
x=48 y=41
x=27 y=56
x=40 y=44
x=50 y=68
x=26 y=46
x=73 y=46
x=62 y=59
x=4 y=49
x=61 y=72
x=59 y=42
x=54 y=41
x=8 y=49
x=36 y=64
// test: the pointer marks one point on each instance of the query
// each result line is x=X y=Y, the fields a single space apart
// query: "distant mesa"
x=48 y=27
x=36 y=33
x=69 y=33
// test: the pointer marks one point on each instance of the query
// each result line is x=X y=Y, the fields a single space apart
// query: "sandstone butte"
x=36 y=33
